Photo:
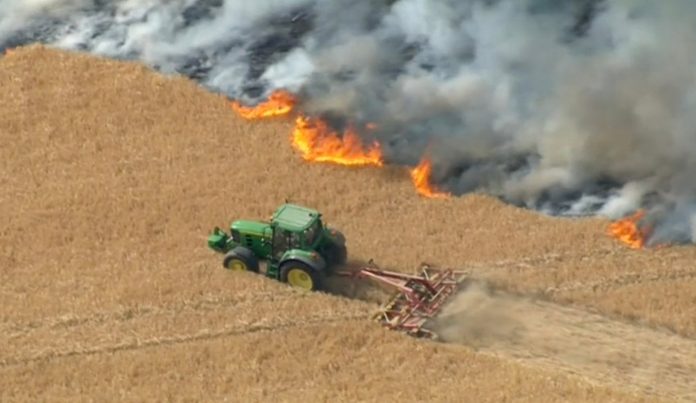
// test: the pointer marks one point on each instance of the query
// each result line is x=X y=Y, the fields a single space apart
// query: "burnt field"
x=112 y=177
x=574 y=116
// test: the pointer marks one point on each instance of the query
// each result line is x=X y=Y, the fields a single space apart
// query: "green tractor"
x=298 y=247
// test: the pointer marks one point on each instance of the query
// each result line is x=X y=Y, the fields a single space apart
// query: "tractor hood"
x=256 y=228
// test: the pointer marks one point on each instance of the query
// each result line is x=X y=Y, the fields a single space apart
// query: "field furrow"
x=563 y=338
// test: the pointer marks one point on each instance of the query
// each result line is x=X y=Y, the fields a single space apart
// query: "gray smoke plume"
x=568 y=107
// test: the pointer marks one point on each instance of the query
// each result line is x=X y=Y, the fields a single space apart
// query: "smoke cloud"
x=567 y=107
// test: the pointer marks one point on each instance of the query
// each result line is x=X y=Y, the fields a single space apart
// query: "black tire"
x=242 y=258
x=299 y=274
x=338 y=254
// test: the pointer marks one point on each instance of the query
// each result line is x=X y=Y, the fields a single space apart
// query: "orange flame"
x=279 y=103
x=9 y=52
x=318 y=143
x=420 y=176
x=628 y=231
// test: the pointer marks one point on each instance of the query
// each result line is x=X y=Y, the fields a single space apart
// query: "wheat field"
x=113 y=175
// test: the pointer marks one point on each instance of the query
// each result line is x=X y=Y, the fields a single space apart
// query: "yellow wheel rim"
x=299 y=278
x=237 y=265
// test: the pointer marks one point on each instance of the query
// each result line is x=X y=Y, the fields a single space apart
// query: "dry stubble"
x=112 y=176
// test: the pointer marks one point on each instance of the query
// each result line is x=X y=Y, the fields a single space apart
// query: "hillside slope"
x=112 y=177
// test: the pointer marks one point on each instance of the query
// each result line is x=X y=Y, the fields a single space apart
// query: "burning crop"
x=317 y=142
x=420 y=176
x=629 y=231
x=279 y=103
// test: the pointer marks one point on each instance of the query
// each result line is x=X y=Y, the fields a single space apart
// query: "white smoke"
x=15 y=13
x=512 y=97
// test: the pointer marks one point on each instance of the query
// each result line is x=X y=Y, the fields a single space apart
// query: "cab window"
x=295 y=240
x=312 y=232
x=280 y=242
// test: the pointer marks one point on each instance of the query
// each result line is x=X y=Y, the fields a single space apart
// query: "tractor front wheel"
x=299 y=275
x=241 y=259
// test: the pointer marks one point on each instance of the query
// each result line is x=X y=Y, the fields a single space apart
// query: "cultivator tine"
x=418 y=297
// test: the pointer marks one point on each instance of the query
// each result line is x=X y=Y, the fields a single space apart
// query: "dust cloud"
x=478 y=317
x=607 y=350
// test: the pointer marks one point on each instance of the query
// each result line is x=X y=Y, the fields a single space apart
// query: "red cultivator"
x=418 y=298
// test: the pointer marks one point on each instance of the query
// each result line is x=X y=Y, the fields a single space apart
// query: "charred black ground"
x=281 y=32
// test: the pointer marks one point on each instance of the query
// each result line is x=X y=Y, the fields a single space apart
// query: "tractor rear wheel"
x=241 y=259
x=300 y=275
x=338 y=254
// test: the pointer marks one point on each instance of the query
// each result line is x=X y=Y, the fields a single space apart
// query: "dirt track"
x=112 y=177
x=549 y=335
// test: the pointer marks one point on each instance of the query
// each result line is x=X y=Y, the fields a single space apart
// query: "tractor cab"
x=296 y=227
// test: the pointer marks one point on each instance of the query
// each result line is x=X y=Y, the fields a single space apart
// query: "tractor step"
x=418 y=298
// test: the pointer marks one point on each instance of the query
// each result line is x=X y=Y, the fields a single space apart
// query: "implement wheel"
x=299 y=275
x=241 y=259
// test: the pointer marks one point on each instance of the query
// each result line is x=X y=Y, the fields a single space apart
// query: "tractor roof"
x=293 y=217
